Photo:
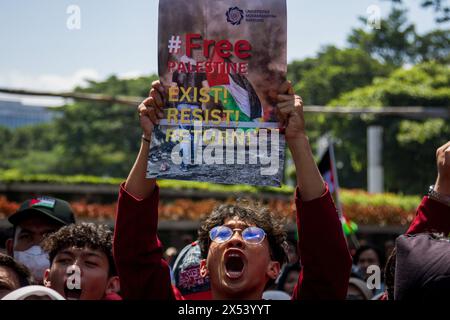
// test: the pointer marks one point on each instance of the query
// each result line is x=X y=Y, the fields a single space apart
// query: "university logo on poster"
x=221 y=63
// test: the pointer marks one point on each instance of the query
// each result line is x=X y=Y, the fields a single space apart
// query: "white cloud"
x=52 y=83
x=48 y=82
x=131 y=74
x=34 y=101
x=45 y=82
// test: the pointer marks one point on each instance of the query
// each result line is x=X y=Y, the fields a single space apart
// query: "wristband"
x=433 y=194
x=145 y=139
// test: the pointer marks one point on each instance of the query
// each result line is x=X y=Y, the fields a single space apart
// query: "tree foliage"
x=332 y=72
x=392 y=66
x=440 y=8
x=409 y=145
x=397 y=42
x=87 y=138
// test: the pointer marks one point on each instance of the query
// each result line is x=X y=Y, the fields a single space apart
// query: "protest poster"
x=221 y=63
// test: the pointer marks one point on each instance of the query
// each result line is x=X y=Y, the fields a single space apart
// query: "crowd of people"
x=241 y=251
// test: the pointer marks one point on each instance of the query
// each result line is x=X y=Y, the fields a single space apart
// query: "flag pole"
x=335 y=176
x=336 y=186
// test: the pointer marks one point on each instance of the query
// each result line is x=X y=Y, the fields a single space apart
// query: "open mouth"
x=73 y=294
x=234 y=264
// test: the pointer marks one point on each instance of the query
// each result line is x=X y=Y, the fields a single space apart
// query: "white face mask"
x=35 y=259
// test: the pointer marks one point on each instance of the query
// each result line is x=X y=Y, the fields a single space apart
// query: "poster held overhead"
x=221 y=63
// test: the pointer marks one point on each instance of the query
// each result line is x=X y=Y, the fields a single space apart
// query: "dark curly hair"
x=22 y=272
x=91 y=235
x=250 y=212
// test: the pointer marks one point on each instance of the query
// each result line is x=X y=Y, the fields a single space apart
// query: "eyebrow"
x=68 y=252
x=92 y=254
x=237 y=224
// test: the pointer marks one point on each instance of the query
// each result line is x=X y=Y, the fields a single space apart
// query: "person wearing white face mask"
x=35 y=219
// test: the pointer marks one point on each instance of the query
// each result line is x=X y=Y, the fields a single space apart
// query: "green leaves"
x=87 y=138
x=334 y=72
x=409 y=145
x=397 y=43
x=426 y=84
x=440 y=8
x=392 y=43
x=416 y=132
x=101 y=139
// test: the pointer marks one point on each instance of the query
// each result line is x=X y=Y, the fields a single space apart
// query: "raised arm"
x=433 y=213
x=138 y=253
x=290 y=112
x=324 y=255
x=150 y=111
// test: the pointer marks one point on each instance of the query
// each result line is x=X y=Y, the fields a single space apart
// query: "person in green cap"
x=35 y=219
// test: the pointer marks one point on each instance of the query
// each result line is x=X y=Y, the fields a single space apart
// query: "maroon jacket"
x=112 y=297
x=431 y=216
x=144 y=274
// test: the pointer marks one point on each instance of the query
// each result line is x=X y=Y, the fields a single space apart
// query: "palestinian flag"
x=229 y=103
x=42 y=202
x=241 y=94
x=327 y=167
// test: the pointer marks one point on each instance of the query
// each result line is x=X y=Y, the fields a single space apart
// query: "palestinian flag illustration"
x=239 y=96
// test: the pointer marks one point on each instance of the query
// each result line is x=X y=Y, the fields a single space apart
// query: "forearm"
x=321 y=245
x=138 y=253
x=309 y=179
x=442 y=185
x=433 y=214
x=137 y=184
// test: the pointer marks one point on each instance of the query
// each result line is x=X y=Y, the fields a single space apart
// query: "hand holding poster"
x=221 y=63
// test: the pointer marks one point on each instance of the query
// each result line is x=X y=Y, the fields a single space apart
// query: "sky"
x=38 y=51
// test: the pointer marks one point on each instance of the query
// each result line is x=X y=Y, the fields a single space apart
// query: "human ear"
x=203 y=268
x=273 y=269
x=113 y=285
x=47 y=282
x=9 y=245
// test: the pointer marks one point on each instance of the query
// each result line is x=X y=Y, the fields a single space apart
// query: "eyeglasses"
x=252 y=235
